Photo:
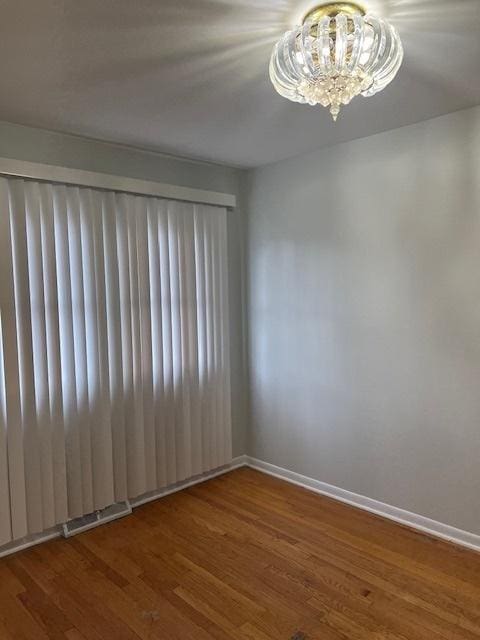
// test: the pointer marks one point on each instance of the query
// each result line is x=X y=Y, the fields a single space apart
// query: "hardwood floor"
x=244 y=556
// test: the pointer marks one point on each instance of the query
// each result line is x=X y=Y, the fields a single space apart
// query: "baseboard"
x=30 y=541
x=56 y=532
x=407 y=518
x=413 y=520
x=240 y=461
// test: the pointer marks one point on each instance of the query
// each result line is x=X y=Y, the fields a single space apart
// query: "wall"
x=34 y=145
x=364 y=316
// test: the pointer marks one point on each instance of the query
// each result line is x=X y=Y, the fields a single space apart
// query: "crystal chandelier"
x=337 y=54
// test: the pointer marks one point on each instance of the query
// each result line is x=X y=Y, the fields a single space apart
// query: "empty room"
x=239 y=320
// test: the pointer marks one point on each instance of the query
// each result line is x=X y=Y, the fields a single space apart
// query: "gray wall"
x=34 y=145
x=364 y=316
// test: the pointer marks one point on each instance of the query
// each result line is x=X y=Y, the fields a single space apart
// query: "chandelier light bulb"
x=338 y=53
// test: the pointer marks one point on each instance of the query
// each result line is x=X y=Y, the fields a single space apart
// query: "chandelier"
x=336 y=54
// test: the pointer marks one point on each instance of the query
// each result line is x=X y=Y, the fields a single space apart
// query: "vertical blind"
x=114 y=349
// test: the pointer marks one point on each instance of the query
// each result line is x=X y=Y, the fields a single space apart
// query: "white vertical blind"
x=114 y=367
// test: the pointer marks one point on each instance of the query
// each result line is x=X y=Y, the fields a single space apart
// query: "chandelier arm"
x=305 y=49
x=359 y=38
x=279 y=77
x=382 y=58
x=393 y=56
x=323 y=44
x=289 y=46
x=378 y=46
x=340 y=41
x=281 y=88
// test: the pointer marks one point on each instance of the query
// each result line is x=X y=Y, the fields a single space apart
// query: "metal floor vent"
x=113 y=512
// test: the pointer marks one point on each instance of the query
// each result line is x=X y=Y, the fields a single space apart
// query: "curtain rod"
x=79 y=177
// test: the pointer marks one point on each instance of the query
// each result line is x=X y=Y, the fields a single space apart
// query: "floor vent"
x=114 y=511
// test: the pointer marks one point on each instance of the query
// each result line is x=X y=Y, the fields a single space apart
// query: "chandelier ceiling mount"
x=332 y=9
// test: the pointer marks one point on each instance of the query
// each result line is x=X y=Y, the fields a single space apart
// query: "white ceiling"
x=190 y=77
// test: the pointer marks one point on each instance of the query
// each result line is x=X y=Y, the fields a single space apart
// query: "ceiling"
x=190 y=77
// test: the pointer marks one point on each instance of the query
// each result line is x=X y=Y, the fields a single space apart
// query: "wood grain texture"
x=243 y=557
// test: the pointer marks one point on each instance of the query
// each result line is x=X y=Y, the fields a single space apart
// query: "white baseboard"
x=203 y=477
x=30 y=541
x=413 y=520
x=56 y=532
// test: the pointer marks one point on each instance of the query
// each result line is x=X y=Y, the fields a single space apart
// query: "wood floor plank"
x=18 y=621
x=74 y=634
x=242 y=557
